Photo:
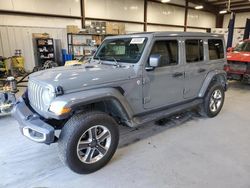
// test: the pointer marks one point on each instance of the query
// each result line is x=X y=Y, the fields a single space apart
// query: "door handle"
x=178 y=74
x=201 y=70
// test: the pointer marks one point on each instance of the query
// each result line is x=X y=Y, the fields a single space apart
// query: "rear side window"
x=168 y=49
x=194 y=50
x=216 y=49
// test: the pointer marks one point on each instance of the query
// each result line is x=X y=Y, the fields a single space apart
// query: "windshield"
x=128 y=50
x=243 y=47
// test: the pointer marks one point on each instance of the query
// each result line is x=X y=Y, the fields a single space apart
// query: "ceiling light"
x=223 y=12
x=165 y=1
x=198 y=7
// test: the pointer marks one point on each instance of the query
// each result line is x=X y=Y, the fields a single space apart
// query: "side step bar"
x=153 y=116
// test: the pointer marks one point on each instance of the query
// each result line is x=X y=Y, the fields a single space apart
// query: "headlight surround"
x=59 y=108
x=47 y=96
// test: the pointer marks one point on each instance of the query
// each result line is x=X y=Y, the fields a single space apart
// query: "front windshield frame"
x=113 y=57
x=242 y=46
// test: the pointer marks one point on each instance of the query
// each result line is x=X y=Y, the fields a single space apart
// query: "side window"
x=194 y=50
x=168 y=49
x=216 y=49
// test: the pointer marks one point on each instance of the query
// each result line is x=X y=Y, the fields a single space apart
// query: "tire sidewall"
x=208 y=97
x=72 y=159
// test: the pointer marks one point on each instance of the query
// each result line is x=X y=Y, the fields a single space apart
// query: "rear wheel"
x=213 y=101
x=88 y=141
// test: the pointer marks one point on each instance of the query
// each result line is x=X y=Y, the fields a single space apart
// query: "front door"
x=164 y=85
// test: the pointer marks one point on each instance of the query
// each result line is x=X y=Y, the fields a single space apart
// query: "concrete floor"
x=194 y=153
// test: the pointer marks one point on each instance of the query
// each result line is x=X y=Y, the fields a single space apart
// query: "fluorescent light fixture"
x=165 y=1
x=223 y=12
x=198 y=7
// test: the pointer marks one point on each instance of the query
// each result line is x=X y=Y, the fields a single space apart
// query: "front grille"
x=35 y=95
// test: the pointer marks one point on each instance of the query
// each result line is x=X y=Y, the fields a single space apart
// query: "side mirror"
x=230 y=49
x=154 y=61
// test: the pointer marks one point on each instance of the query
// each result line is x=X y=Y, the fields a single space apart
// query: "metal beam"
x=82 y=9
x=22 y=13
x=145 y=15
x=207 y=6
x=186 y=16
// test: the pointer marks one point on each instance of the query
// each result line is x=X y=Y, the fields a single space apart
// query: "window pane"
x=194 y=51
x=216 y=49
x=168 y=51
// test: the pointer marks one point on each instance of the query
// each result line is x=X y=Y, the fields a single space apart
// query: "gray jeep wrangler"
x=131 y=80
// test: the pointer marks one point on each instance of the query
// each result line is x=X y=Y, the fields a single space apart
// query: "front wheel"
x=213 y=101
x=88 y=141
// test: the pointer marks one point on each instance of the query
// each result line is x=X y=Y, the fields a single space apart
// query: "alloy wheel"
x=94 y=144
x=215 y=100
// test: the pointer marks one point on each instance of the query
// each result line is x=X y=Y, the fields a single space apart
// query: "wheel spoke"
x=215 y=106
x=101 y=149
x=89 y=154
x=83 y=145
x=92 y=133
x=105 y=134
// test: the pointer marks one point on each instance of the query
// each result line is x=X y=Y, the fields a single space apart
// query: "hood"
x=76 y=78
x=239 y=56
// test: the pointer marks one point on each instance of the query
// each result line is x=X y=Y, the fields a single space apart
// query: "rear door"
x=196 y=66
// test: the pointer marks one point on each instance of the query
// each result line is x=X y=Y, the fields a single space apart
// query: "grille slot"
x=35 y=95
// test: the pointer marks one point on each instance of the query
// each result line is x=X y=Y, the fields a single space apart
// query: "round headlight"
x=47 y=96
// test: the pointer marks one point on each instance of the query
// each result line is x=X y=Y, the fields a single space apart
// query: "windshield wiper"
x=116 y=62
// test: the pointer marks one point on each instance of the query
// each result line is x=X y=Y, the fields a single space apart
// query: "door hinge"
x=146 y=100
x=145 y=81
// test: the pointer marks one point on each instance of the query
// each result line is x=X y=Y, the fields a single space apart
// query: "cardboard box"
x=121 y=27
x=98 y=39
x=115 y=28
x=72 y=29
x=112 y=28
x=40 y=35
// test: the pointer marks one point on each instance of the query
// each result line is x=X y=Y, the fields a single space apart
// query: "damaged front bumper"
x=31 y=124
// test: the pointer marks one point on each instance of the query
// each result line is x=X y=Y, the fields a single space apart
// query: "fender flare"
x=82 y=98
x=211 y=76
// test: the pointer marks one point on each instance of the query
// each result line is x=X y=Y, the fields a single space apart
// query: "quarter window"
x=168 y=49
x=216 y=49
x=194 y=50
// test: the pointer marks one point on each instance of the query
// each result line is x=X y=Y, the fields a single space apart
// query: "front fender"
x=77 y=99
x=213 y=75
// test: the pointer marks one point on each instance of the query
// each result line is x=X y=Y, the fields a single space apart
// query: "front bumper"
x=31 y=124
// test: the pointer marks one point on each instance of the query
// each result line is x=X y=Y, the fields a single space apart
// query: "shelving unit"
x=83 y=44
x=44 y=50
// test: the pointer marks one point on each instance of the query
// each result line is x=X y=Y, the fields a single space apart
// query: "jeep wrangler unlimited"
x=131 y=80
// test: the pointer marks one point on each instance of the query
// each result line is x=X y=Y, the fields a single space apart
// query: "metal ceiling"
x=216 y=5
x=235 y=5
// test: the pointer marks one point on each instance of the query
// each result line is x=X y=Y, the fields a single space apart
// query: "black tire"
x=73 y=131
x=205 y=109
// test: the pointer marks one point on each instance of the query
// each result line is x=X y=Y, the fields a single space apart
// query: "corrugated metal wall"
x=18 y=37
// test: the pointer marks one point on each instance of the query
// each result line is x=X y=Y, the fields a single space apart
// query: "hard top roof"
x=170 y=34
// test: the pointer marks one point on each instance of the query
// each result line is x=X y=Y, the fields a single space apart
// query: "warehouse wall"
x=240 y=19
x=132 y=10
x=61 y=7
x=16 y=31
x=20 y=37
